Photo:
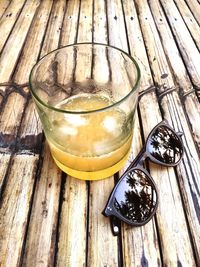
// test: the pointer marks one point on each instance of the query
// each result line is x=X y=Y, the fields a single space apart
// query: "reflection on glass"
x=135 y=197
x=165 y=146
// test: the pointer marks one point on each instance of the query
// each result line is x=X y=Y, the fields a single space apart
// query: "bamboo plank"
x=8 y=19
x=100 y=250
x=191 y=103
x=85 y=22
x=142 y=240
x=11 y=52
x=100 y=31
x=73 y=217
x=148 y=103
x=116 y=25
x=103 y=248
x=100 y=35
x=33 y=42
x=135 y=237
x=70 y=23
x=72 y=229
x=10 y=118
x=52 y=35
x=4 y=161
x=3 y=5
x=136 y=44
x=15 y=207
x=12 y=113
x=190 y=21
x=30 y=131
x=186 y=45
x=41 y=236
x=40 y=243
x=16 y=103
x=195 y=8
x=188 y=170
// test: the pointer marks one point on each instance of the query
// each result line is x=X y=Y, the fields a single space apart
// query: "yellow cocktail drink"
x=86 y=96
x=89 y=146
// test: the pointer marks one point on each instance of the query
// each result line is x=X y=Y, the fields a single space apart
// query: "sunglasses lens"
x=135 y=198
x=165 y=145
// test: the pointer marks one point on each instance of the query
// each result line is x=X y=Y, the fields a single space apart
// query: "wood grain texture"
x=72 y=238
x=136 y=44
x=185 y=42
x=143 y=239
x=116 y=27
x=194 y=6
x=44 y=215
x=190 y=21
x=173 y=111
x=41 y=236
x=4 y=161
x=10 y=119
x=3 y=6
x=52 y=35
x=51 y=219
x=70 y=23
x=100 y=31
x=144 y=242
x=11 y=53
x=33 y=43
x=190 y=101
x=73 y=225
x=30 y=131
x=15 y=208
x=100 y=250
x=12 y=113
x=8 y=19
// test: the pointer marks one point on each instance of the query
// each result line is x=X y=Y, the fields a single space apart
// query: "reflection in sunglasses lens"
x=135 y=197
x=165 y=146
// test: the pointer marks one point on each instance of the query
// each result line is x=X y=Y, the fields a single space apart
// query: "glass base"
x=95 y=175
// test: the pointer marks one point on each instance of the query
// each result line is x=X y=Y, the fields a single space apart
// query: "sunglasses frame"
x=137 y=164
x=148 y=154
x=111 y=211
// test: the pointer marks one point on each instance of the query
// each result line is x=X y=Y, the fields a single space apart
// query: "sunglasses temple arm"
x=136 y=160
x=115 y=224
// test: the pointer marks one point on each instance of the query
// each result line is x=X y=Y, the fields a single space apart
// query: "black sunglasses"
x=134 y=199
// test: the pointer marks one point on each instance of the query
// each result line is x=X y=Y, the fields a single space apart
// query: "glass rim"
x=134 y=87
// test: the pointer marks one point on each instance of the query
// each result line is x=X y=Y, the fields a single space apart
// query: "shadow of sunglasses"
x=134 y=199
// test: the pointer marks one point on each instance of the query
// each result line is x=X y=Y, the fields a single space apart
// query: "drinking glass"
x=86 y=97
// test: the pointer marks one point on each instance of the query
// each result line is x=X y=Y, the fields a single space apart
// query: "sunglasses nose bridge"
x=142 y=159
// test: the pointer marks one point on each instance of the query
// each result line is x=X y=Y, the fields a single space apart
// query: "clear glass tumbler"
x=86 y=97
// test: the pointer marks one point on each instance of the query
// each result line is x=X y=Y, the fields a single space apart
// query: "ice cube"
x=75 y=120
x=112 y=125
x=63 y=128
x=66 y=130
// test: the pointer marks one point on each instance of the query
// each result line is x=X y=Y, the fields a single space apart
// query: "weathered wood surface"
x=50 y=219
x=168 y=101
x=100 y=236
x=3 y=5
x=186 y=44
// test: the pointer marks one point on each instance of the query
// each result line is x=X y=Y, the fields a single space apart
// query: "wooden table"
x=50 y=219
